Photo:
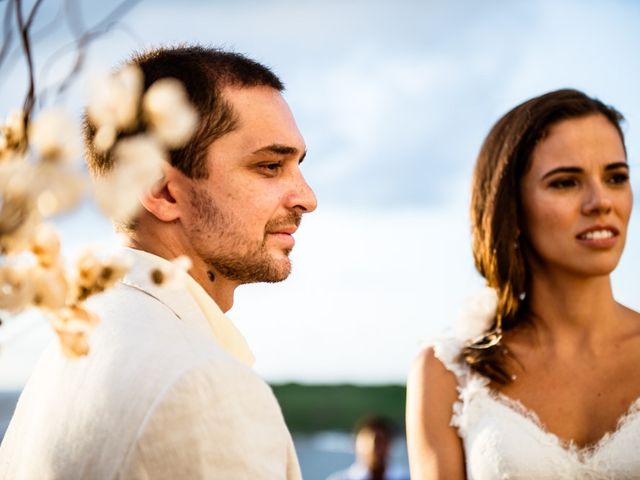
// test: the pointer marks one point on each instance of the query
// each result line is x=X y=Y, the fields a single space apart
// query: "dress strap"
x=447 y=350
x=470 y=384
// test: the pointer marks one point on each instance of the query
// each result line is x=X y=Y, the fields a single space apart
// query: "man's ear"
x=163 y=199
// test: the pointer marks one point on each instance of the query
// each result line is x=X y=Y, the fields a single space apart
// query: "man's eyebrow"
x=281 y=150
x=278 y=149
x=611 y=166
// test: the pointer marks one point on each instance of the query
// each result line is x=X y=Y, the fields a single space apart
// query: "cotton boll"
x=45 y=245
x=18 y=216
x=138 y=164
x=114 y=99
x=54 y=135
x=169 y=113
x=13 y=130
x=16 y=288
x=478 y=314
x=105 y=138
x=94 y=274
x=73 y=324
x=172 y=275
x=113 y=269
x=18 y=221
x=74 y=343
x=59 y=189
x=50 y=287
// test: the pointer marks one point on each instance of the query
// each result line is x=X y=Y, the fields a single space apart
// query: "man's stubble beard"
x=237 y=258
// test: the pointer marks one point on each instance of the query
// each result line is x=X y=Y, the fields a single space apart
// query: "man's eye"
x=564 y=183
x=271 y=168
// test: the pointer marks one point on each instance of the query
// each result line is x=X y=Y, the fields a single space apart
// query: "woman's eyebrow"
x=563 y=170
x=567 y=169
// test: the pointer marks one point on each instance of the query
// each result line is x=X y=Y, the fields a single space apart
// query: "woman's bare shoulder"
x=435 y=449
x=430 y=376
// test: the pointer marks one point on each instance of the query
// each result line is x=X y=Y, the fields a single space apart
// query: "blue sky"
x=394 y=99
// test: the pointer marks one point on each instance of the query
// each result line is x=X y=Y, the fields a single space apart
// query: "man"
x=167 y=390
x=373 y=441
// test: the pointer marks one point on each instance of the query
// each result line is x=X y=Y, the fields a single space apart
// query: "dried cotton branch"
x=138 y=165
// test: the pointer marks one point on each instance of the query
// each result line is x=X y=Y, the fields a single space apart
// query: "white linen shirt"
x=158 y=397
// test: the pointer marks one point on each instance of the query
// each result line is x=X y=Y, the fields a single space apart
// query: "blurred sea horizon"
x=320 y=452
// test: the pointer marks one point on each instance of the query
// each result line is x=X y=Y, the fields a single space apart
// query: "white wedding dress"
x=504 y=440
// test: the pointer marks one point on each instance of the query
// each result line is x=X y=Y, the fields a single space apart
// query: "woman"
x=551 y=386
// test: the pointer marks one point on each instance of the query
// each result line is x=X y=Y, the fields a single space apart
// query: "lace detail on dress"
x=447 y=350
x=504 y=439
x=581 y=453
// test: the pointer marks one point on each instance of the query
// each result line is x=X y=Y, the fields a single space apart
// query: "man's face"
x=245 y=213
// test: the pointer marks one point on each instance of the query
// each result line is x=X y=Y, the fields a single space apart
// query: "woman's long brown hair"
x=499 y=248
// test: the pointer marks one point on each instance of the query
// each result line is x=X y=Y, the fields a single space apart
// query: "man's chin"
x=273 y=272
x=280 y=270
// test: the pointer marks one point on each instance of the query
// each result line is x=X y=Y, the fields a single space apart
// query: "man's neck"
x=218 y=287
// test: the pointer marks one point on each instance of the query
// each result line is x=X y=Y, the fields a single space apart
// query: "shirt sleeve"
x=215 y=421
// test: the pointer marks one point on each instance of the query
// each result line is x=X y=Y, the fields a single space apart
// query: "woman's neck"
x=573 y=313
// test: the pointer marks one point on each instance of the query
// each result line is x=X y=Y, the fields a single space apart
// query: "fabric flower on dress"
x=478 y=314
x=465 y=410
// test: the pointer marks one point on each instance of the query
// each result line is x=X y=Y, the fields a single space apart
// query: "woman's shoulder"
x=633 y=314
x=443 y=354
x=437 y=367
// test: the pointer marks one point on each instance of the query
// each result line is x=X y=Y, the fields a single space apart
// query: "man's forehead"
x=264 y=122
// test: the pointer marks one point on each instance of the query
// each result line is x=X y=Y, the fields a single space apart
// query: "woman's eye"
x=619 y=178
x=563 y=183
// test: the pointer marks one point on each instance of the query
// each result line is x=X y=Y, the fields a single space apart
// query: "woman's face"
x=577 y=198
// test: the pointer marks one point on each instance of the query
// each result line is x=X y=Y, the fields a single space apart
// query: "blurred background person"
x=373 y=438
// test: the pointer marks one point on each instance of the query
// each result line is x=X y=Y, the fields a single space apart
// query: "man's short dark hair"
x=204 y=72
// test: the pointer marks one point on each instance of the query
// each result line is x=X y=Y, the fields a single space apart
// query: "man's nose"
x=301 y=197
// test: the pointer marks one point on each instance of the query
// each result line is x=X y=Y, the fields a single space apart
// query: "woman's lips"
x=598 y=237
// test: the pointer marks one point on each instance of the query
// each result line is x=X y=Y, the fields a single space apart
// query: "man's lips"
x=285 y=235
x=285 y=230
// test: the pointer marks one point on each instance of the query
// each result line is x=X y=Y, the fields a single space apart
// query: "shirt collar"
x=190 y=302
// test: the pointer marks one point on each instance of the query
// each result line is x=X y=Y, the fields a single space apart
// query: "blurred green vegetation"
x=311 y=408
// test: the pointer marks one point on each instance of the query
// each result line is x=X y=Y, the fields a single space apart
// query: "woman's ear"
x=162 y=200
